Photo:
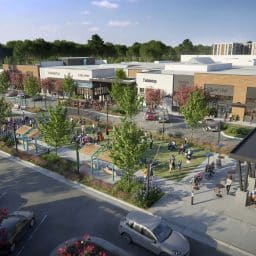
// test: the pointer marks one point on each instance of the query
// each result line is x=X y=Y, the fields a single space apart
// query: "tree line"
x=31 y=51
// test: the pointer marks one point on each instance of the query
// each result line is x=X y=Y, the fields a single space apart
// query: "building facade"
x=234 y=48
x=233 y=93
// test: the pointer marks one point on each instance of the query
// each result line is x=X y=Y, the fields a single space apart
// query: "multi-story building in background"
x=248 y=48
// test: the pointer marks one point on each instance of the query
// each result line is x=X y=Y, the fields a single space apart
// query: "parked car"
x=151 y=116
x=22 y=95
x=164 y=117
x=11 y=93
x=153 y=233
x=210 y=124
x=38 y=97
x=13 y=227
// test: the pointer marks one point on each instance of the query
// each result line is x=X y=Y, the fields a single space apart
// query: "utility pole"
x=14 y=134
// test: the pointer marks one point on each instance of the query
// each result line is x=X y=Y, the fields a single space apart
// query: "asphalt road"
x=63 y=212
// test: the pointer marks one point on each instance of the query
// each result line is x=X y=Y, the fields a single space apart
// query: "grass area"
x=162 y=155
x=237 y=130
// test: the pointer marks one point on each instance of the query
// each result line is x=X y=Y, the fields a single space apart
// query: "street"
x=63 y=212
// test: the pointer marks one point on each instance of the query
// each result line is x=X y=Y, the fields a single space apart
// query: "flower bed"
x=87 y=246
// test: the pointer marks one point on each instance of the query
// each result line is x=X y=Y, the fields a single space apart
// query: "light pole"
x=14 y=135
x=76 y=139
x=107 y=131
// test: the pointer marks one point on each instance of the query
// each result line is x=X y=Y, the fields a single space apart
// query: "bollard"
x=192 y=197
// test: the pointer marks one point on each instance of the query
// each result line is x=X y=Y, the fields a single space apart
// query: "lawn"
x=162 y=155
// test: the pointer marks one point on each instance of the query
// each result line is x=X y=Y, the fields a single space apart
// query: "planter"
x=91 y=246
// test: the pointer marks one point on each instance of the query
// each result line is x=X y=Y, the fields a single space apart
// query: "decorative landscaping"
x=236 y=130
x=81 y=247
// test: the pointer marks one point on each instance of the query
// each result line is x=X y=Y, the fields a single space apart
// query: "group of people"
x=173 y=165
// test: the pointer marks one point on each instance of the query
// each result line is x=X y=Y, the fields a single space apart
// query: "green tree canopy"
x=126 y=97
x=55 y=128
x=5 y=110
x=69 y=85
x=4 y=82
x=31 y=86
x=128 y=146
x=196 y=108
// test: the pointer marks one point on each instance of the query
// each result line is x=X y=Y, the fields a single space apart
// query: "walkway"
x=215 y=221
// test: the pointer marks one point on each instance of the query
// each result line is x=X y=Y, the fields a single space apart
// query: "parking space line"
x=3 y=194
x=20 y=251
x=35 y=230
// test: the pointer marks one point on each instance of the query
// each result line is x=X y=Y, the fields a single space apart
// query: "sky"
x=128 y=21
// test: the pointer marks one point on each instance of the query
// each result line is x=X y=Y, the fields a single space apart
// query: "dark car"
x=38 y=98
x=210 y=124
x=164 y=117
x=13 y=227
x=151 y=116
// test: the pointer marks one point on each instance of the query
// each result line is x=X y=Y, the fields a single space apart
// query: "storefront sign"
x=145 y=80
x=222 y=90
x=83 y=75
x=53 y=73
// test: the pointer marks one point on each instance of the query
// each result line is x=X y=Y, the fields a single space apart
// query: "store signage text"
x=149 y=81
x=54 y=73
x=83 y=75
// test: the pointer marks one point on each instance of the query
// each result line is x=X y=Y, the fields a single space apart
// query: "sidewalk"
x=219 y=222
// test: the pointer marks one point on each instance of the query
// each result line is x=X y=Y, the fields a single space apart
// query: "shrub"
x=142 y=200
x=238 y=131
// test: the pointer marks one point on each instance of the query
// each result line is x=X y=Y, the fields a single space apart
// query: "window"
x=137 y=227
x=147 y=234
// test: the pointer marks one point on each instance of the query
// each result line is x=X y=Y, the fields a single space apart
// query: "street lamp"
x=76 y=139
x=107 y=131
x=14 y=135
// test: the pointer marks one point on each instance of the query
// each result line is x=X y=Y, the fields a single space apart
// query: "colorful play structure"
x=28 y=137
x=101 y=161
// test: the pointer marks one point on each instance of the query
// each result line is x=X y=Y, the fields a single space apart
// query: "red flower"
x=90 y=248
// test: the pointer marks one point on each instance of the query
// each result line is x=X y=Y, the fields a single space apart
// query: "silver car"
x=153 y=233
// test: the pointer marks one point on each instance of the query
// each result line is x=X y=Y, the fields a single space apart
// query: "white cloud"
x=105 y=4
x=85 y=12
x=93 y=29
x=118 y=23
x=85 y=23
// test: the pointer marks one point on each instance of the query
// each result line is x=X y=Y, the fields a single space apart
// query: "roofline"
x=234 y=155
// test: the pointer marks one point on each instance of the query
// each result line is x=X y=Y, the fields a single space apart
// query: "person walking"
x=179 y=165
x=229 y=183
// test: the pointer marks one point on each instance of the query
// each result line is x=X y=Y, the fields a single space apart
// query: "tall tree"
x=4 y=82
x=5 y=110
x=182 y=94
x=153 y=97
x=128 y=147
x=69 y=85
x=16 y=80
x=196 y=108
x=55 y=128
x=126 y=97
x=96 y=44
x=31 y=86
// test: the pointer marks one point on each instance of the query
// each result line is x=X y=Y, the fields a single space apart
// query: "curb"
x=198 y=236
x=230 y=137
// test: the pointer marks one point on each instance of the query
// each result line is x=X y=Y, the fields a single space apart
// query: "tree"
x=153 y=97
x=16 y=80
x=182 y=94
x=120 y=74
x=4 y=82
x=55 y=128
x=128 y=147
x=195 y=109
x=96 y=44
x=58 y=87
x=31 y=86
x=5 y=110
x=69 y=85
x=126 y=98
